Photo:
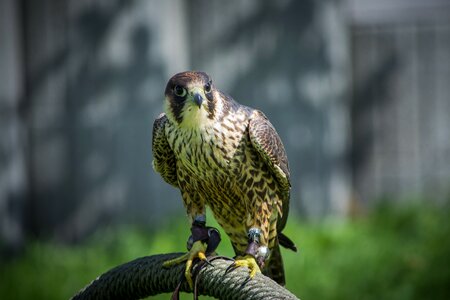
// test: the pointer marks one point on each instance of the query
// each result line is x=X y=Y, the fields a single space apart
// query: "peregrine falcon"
x=229 y=157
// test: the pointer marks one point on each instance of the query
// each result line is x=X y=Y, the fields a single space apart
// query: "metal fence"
x=401 y=110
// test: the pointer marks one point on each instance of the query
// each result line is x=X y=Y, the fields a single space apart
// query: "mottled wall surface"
x=401 y=102
x=91 y=81
x=13 y=171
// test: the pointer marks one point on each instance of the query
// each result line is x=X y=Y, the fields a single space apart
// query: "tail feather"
x=286 y=242
x=274 y=266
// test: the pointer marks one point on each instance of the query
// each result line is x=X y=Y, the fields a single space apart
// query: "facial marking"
x=190 y=99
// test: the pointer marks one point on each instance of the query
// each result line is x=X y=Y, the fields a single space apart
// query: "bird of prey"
x=229 y=157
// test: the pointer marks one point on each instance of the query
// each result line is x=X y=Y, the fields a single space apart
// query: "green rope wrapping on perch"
x=146 y=276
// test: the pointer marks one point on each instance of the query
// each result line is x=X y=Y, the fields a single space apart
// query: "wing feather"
x=267 y=142
x=164 y=161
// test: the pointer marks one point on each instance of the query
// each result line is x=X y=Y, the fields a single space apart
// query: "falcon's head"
x=191 y=99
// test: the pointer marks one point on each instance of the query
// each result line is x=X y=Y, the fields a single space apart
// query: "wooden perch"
x=145 y=277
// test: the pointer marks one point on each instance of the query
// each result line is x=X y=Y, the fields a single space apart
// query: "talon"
x=203 y=241
x=208 y=263
x=202 y=255
x=246 y=261
x=230 y=268
x=197 y=251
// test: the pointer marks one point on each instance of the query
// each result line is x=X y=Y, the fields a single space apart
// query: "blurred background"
x=358 y=90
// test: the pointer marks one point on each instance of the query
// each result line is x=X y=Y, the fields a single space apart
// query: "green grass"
x=394 y=253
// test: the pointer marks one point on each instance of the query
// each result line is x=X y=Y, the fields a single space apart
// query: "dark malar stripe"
x=211 y=109
x=177 y=106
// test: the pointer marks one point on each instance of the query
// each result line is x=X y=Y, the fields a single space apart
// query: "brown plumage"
x=227 y=156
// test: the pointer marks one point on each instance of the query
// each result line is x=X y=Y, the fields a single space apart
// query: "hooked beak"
x=198 y=99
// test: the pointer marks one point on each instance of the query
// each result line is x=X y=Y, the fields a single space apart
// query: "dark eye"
x=179 y=91
x=208 y=87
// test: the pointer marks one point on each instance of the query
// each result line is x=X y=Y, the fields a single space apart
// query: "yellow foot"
x=246 y=261
x=198 y=250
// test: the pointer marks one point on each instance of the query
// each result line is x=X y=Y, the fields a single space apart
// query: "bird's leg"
x=204 y=240
x=255 y=254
